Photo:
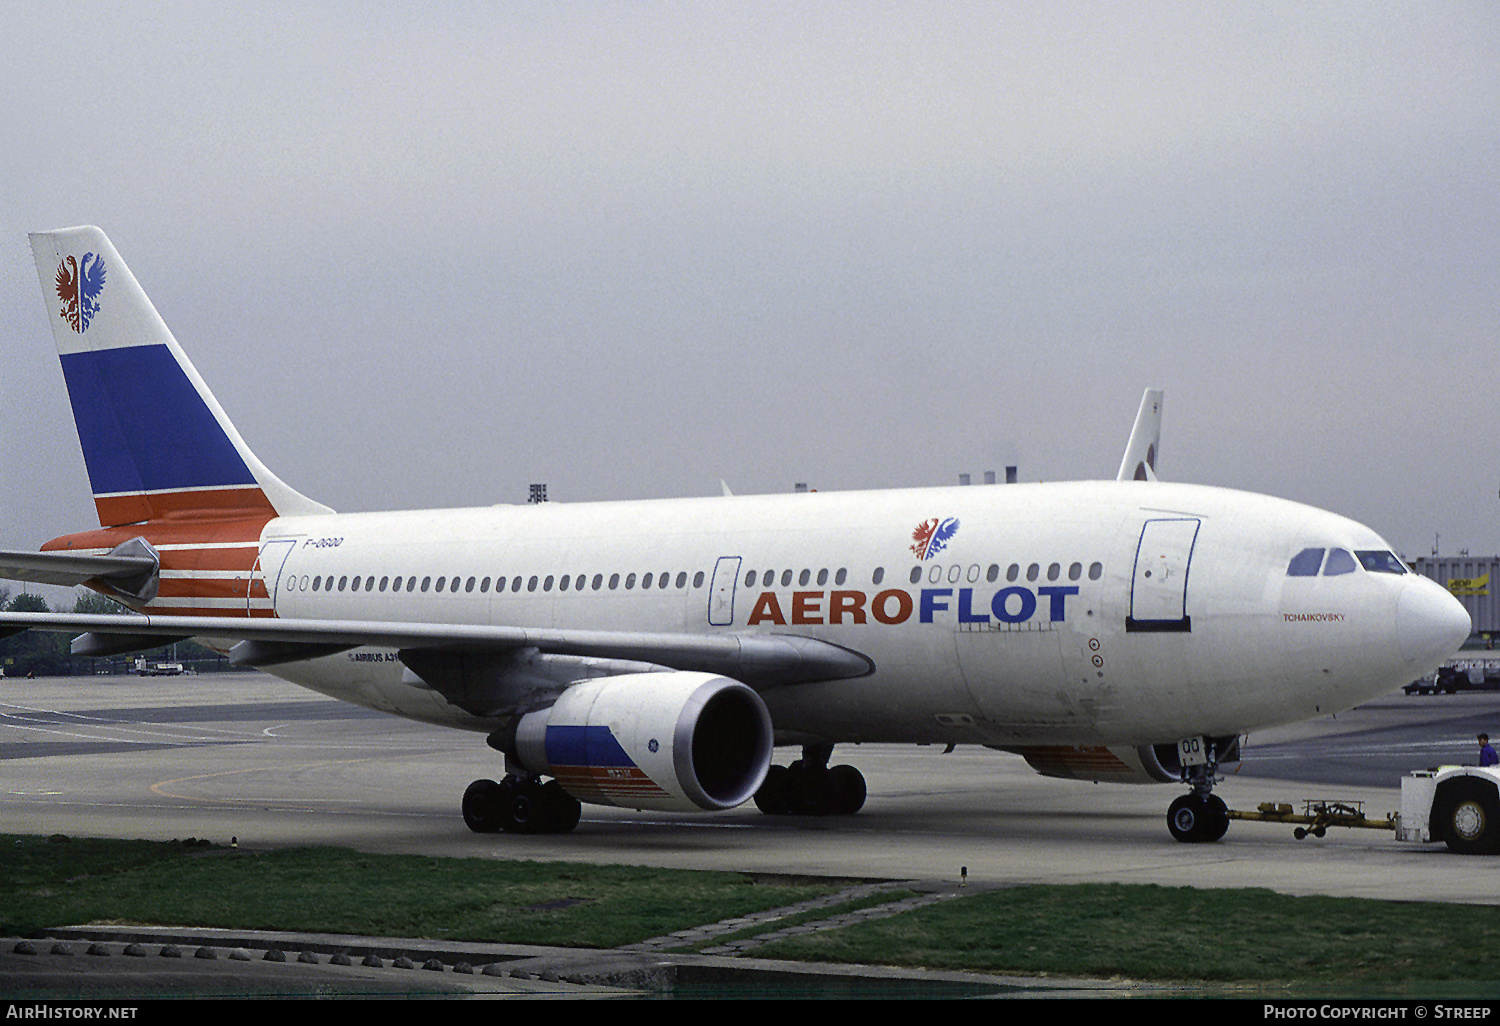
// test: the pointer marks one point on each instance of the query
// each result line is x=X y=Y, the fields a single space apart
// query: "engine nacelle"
x=1123 y=764
x=668 y=741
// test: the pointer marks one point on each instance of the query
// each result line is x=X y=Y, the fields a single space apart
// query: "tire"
x=482 y=806
x=1194 y=819
x=771 y=798
x=563 y=810
x=1466 y=814
x=1185 y=819
x=1216 y=823
x=847 y=785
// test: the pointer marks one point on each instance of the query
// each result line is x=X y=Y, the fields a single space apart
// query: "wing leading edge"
x=761 y=661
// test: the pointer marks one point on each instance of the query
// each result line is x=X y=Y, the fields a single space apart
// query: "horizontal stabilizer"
x=68 y=570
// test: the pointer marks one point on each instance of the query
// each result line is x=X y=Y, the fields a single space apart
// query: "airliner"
x=653 y=655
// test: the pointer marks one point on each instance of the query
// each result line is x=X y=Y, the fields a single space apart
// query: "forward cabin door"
x=1159 y=585
x=721 y=592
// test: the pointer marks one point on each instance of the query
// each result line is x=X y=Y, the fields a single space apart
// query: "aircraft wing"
x=67 y=569
x=761 y=661
x=1139 y=463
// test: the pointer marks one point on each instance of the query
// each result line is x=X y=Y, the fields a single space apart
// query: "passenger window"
x=1075 y=571
x=916 y=575
x=878 y=576
x=1305 y=563
x=1096 y=571
x=698 y=579
x=1339 y=562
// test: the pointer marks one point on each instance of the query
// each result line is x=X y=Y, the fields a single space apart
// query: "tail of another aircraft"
x=155 y=440
x=1139 y=463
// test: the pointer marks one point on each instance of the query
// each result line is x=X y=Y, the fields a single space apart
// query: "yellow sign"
x=1469 y=585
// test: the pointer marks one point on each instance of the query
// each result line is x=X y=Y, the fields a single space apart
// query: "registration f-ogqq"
x=653 y=654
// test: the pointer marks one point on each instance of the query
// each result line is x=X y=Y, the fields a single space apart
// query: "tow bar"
x=1317 y=816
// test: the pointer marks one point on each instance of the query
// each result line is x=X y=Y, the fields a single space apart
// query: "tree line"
x=47 y=653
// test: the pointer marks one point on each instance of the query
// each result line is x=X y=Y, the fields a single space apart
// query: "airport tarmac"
x=247 y=757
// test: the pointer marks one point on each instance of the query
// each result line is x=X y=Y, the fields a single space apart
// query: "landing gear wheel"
x=771 y=798
x=520 y=807
x=482 y=806
x=1467 y=813
x=808 y=789
x=1195 y=818
x=537 y=808
x=847 y=790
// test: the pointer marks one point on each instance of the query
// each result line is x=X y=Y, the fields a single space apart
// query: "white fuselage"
x=1109 y=613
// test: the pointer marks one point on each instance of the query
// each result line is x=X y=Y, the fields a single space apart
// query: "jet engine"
x=667 y=741
x=1119 y=764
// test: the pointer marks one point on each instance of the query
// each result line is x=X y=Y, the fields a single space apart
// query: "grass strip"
x=1143 y=932
x=1176 y=934
x=331 y=890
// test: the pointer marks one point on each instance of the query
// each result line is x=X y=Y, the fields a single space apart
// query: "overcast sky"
x=428 y=254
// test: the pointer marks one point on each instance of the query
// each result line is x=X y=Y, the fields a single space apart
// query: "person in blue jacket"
x=1487 y=756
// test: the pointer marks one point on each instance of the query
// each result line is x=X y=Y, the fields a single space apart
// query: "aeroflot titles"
x=1014 y=604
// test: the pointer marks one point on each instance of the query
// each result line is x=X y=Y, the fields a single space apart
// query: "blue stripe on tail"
x=143 y=425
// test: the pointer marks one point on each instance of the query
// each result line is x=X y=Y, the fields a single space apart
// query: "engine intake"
x=668 y=741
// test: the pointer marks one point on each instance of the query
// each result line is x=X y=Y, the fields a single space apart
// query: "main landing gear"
x=520 y=805
x=810 y=787
x=1200 y=815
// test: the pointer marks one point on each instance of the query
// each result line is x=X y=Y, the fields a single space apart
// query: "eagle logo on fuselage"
x=931 y=536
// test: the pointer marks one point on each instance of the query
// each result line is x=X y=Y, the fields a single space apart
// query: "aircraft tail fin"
x=1139 y=463
x=155 y=440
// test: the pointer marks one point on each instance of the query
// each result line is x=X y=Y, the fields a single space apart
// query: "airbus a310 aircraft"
x=652 y=654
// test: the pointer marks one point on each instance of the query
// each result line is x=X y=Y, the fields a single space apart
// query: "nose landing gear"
x=1199 y=815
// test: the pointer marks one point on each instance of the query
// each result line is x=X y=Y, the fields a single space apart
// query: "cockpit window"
x=1339 y=562
x=1305 y=563
x=1379 y=562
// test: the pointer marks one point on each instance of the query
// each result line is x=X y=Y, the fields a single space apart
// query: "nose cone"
x=1430 y=623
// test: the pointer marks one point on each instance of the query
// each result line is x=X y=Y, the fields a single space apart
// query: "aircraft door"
x=1158 y=588
x=267 y=574
x=721 y=591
